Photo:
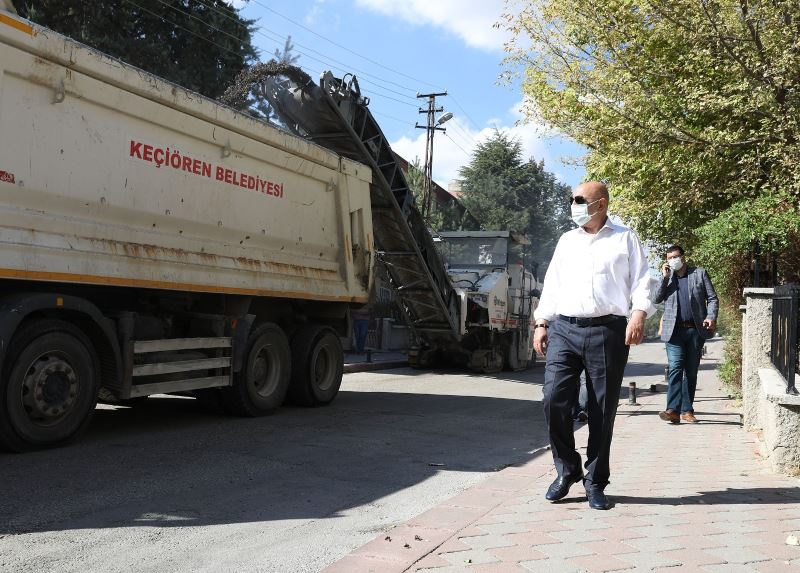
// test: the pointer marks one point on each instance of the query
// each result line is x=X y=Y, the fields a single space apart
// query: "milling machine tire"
x=511 y=350
x=261 y=385
x=49 y=387
x=317 y=366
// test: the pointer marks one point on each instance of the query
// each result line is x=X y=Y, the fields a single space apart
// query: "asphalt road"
x=166 y=487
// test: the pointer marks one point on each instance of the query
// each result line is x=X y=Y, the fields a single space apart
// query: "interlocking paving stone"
x=649 y=544
x=739 y=526
x=552 y=566
x=563 y=550
x=517 y=553
x=504 y=528
x=450 y=569
x=577 y=536
x=776 y=566
x=736 y=539
x=483 y=542
x=648 y=560
x=464 y=558
x=692 y=557
x=601 y=563
x=498 y=568
x=733 y=554
x=719 y=510
x=728 y=568
x=430 y=562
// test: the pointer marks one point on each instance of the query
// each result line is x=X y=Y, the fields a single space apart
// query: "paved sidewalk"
x=687 y=498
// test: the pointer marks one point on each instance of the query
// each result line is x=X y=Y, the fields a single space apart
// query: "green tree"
x=502 y=191
x=689 y=108
x=199 y=44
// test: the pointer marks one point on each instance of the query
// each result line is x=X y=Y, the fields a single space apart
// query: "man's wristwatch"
x=542 y=325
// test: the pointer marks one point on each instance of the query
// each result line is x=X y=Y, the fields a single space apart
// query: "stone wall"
x=765 y=405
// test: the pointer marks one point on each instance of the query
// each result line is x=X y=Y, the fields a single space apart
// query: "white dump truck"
x=152 y=241
x=155 y=241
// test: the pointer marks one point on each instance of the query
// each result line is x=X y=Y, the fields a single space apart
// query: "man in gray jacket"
x=690 y=317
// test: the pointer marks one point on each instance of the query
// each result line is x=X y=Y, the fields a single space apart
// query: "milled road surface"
x=166 y=487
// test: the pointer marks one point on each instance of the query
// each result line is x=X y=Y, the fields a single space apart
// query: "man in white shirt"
x=598 y=274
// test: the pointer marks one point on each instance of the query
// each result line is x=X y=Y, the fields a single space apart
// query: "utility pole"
x=432 y=127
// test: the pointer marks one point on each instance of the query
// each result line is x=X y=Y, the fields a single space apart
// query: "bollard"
x=369 y=355
x=632 y=393
x=666 y=375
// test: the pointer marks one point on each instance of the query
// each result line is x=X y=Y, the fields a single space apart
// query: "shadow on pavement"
x=165 y=463
x=745 y=496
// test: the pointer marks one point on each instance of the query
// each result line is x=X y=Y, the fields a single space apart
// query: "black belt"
x=685 y=324
x=590 y=321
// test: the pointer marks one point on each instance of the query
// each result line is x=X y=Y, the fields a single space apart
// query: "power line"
x=344 y=47
x=465 y=135
x=456 y=144
x=475 y=125
x=228 y=50
x=397 y=119
x=183 y=28
x=377 y=86
x=263 y=31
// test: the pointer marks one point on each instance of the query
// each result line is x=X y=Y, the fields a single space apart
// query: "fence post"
x=785 y=332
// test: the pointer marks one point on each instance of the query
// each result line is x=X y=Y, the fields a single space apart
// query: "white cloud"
x=238 y=4
x=314 y=12
x=453 y=150
x=471 y=20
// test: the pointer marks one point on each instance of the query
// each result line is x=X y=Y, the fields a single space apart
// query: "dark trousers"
x=684 y=349
x=602 y=352
x=360 y=332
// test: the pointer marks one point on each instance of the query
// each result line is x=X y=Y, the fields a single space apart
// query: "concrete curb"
x=369 y=366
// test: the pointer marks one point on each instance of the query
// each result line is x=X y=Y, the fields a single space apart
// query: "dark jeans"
x=683 y=357
x=360 y=331
x=602 y=352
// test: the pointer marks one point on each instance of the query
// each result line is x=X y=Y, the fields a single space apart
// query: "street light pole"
x=431 y=127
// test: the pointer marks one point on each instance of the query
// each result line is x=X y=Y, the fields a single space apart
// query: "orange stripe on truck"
x=16 y=24
x=164 y=285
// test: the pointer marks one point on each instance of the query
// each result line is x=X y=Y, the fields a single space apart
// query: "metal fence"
x=785 y=332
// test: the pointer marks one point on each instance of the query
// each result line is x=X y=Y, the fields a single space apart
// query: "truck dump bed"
x=112 y=176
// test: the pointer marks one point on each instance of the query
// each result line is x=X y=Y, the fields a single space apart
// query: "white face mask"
x=580 y=213
x=675 y=264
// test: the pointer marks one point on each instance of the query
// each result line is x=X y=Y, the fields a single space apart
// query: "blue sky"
x=400 y=48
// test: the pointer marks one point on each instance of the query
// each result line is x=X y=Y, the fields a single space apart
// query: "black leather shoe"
x=560 y=487
x=597 y=499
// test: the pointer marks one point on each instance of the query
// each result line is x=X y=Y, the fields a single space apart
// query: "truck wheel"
x=49 y=389
x=317 y=365
x=261 y=385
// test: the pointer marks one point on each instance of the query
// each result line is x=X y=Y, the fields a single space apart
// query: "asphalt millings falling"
x=237 y=94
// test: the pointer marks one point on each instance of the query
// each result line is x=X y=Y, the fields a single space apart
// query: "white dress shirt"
x=596 y=274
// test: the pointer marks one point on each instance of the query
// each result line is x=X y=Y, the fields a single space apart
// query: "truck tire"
x=261 y=385
x=317 y=366
x=49 y=388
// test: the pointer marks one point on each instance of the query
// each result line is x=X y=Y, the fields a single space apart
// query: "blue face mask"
x=580 y=213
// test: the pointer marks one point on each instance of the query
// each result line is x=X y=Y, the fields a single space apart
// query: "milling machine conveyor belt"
x=335 y=115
